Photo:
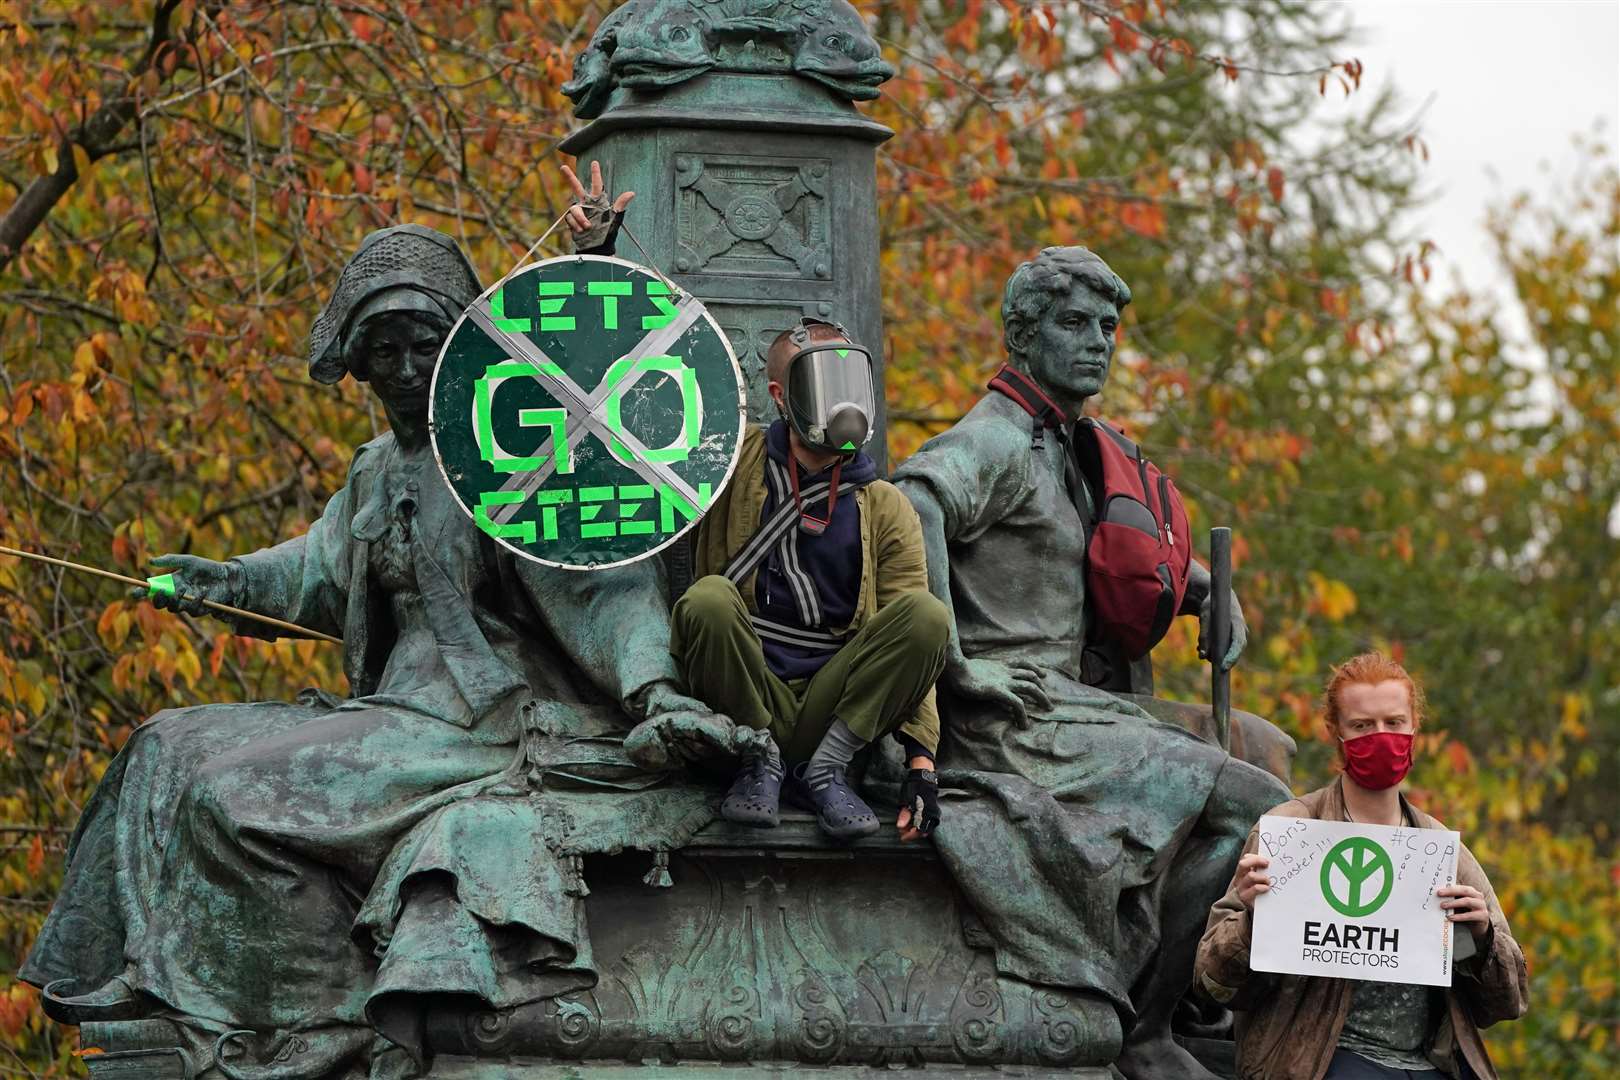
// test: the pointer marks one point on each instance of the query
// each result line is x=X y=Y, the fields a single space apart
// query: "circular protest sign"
x=584 y=413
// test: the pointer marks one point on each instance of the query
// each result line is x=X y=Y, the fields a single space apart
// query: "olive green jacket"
x=892 y=559
x=1288 y=1025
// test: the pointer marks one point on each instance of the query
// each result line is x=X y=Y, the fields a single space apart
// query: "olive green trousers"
x=873 y=684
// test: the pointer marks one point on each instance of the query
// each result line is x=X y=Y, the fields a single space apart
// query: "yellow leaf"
x=1574 y=708
x=1334 y=599
x=189 y=667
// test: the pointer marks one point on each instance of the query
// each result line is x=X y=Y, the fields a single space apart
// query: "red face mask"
x=1380 y=760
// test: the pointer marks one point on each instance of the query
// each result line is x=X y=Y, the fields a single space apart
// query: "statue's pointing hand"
x=194 y=580
x=1240 y=632
x=594 y=218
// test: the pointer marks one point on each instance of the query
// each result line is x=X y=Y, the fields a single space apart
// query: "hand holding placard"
x=1253 y=878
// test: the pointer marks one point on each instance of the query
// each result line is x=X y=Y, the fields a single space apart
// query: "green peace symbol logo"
x=1358 y=860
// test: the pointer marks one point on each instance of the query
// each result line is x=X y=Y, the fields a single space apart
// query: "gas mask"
x=828 y=391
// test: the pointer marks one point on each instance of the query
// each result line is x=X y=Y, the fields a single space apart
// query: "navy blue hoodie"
x=811 y=582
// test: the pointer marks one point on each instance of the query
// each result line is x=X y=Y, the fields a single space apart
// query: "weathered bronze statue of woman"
x=217 y=874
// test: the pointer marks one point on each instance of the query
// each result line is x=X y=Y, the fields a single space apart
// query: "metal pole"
x=1220 y=633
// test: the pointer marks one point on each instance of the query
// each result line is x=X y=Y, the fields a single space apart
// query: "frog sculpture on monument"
x=501 y=851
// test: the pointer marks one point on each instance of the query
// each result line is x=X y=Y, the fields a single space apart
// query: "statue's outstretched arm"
x=304 y=580
x=613 y=624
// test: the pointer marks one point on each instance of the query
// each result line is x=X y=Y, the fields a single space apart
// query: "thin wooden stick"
x=147 y=585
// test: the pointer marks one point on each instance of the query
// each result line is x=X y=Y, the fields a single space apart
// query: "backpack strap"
x=797 y=635
x=1044 y=412
x=772 y=531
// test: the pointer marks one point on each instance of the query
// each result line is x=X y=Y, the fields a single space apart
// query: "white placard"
x=1354 y=901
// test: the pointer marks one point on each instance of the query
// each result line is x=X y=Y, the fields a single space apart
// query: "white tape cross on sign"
x=586 y=411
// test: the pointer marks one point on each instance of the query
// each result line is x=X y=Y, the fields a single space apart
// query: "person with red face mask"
x=1292 y=1027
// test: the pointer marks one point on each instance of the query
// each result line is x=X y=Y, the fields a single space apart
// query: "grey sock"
x=837 y=747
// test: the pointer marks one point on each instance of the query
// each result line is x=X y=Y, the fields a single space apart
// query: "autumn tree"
x=183 y=179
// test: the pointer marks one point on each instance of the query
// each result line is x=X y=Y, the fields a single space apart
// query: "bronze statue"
x=1090 y=837
x=404 y=870
x=650 y=45
x=220 y=875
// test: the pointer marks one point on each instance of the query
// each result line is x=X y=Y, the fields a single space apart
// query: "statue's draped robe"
x=1059 y=832
x=223 y=862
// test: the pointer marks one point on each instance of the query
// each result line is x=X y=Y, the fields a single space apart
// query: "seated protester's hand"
x=919 y=804
x=1014 y=686
x=594 y=218
x=1252 y=878
x=1466 y=904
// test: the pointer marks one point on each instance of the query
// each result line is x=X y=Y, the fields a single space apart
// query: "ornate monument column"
x=754 y=173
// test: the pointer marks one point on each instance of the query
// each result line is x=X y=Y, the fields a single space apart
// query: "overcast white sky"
x=1511 y=82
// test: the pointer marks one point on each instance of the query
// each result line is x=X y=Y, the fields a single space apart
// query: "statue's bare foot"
x=1159 y=1057
x=114 y=999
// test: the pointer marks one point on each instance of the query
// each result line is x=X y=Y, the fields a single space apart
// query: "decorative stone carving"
x=652 y=44
x=752 y=216
x=783 y=955
x=752 y=326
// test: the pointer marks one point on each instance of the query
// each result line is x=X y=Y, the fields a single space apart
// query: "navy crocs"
x=756 y=794
x=841 y=813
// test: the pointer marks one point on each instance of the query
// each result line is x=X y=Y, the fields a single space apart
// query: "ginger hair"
x=1369 y=668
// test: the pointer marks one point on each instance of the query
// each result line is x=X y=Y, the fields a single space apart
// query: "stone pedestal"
x=777 y=947
x=758 y=193
x=771 y=951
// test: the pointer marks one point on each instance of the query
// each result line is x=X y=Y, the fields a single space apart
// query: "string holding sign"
x=583 y=478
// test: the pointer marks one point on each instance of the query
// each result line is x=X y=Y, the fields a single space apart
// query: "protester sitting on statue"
x=216 y=874
x=822 y=631
x=1089 y=836
x=811 y=617
x=1309 y=1028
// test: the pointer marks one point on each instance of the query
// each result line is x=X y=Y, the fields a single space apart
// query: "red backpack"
x=1139 y=553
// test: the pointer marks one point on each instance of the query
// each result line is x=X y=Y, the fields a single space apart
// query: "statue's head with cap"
x=393 y=306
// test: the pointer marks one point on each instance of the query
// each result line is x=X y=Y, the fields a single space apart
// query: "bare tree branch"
x=96 y=136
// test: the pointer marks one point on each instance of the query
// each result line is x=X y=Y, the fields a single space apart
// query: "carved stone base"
x=465 y=1068
x=778 y=947
x=771 y=951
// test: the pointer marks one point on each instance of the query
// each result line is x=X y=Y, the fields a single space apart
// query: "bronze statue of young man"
x=1090 y=837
